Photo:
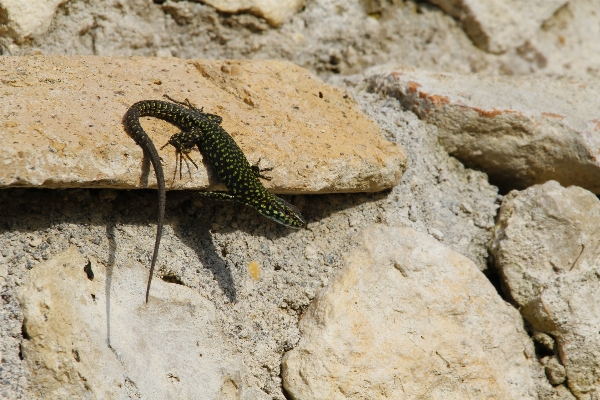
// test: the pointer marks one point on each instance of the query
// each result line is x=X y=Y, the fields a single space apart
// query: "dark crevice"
x=24 y=332
x=88 y=271
x=286 y=394
x=171 y=278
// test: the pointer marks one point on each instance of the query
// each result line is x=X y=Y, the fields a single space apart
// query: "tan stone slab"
x=61 y=124
x=520 y=131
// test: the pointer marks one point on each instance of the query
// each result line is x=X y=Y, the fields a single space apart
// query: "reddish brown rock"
x=520 y=131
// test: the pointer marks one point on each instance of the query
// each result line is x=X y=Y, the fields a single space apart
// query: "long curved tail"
x=131 y=121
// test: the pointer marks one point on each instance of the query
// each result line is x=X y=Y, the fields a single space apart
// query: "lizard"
x=229 y=162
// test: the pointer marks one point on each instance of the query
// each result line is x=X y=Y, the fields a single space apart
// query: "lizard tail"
x=135 y=130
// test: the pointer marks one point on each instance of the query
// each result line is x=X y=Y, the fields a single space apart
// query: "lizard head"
x=283 y=212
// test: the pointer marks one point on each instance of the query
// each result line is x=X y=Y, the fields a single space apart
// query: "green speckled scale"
x=229 y=162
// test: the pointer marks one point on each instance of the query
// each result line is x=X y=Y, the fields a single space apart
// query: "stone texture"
x=21 y=19
x=409 y=318
x=210 y=246
x=62 y=124
x=520 y=131
x=274 y=11
x=95 y=337
x=327 y=36
x=546 y=247
x=499 y=25
x=558 y=47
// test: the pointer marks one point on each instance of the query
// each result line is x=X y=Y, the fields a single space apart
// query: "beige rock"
x=520 y=131
x=21 y=19
x=61 y=124
x=499 y=25
x=546 y=246
x=555 y=371
x=409 y=318
x=97 y=338
x=557 y=48
x=274 y=11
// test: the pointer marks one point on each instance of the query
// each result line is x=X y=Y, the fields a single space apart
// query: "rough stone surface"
x=212 y=247
x=499 y=25
x=327 y=36
x=546 y=248
x=558 y=47
x=409 y=318
x=215 y=247
x=555 y=371
x=274 y=11
x=89 y=334
x=520 y=131
x=21 y=19
x=62 y=124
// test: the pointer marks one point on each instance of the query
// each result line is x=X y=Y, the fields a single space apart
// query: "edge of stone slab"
x=105 y=91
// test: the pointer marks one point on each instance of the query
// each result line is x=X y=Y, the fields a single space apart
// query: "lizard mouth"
x=287 y=214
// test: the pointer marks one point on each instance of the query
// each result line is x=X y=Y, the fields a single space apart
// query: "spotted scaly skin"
x=229 y=162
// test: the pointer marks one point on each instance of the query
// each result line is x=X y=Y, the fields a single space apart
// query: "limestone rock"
x=409 y=318
x=520 y=131
x=557 y=48
x=62 y=124
x=546 y=246
x=274 y=11
x=499 y=25
x=21 y=19
x=91 y=335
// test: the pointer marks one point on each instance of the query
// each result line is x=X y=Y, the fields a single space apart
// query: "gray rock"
x=409 y=318
x=498 y=25
x=22 y=19
x=557 y=48
x=544 y=340
x=546 y=246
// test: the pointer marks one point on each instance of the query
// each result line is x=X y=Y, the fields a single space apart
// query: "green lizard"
x=229 y=162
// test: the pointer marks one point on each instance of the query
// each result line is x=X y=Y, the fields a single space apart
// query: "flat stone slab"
x=520 y=131
x=61 y=124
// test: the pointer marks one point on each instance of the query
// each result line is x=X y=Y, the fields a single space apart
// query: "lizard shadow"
x=39 y=210
x=35 y=210
x=110 y=265
x=196 y=234
x=207 y=217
